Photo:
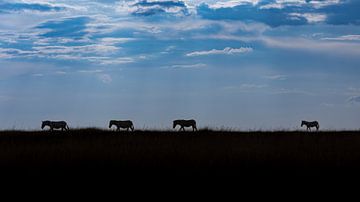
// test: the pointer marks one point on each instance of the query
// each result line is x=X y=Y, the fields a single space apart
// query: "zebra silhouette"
x=310 y=125
x=185 y=123
x=55 y=125
x=127 y=124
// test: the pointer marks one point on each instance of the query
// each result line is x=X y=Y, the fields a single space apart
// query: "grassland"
x=93 y=152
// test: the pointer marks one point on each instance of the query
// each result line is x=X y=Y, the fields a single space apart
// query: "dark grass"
x=89 y=153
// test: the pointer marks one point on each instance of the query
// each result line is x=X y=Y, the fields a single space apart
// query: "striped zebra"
x=55 y=125
x=311 y=124
x=122 y=124
x=185 y=123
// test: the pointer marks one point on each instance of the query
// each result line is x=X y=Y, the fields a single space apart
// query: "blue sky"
x=240 y=64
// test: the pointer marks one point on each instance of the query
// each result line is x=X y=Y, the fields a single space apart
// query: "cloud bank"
x=225 y=51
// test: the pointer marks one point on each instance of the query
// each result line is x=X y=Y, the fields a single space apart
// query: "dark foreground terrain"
x=89 y=153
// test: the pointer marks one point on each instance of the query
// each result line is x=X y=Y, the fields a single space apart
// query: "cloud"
x=186 y=66
x=346 y=12
x=252 y=86
x=90 y=71
x=278 y=77
x=231 y=3
x=152 y=7
x=74 y=27
x=38 y=75
x=60 y=72
x=99 y=73
x=353 y=90
x=354 y=99
x=225 y=51
x=297 y=43
x=343 y=38
x=85 y=49
x=119 y=60
x=310 y=17
x=329 y=105
x=246 y=88
x=96 y=53
x=250 y=13
x=105 y=78
x=281 y=4
x=18 y=7
x=115 y=40
x=286 y=12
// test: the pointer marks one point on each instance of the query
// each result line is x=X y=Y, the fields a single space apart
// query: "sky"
x=229 y=64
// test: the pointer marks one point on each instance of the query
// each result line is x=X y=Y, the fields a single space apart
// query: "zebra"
x=185 y=123
x=122 y=124
x=55 y=125
x=311 y=124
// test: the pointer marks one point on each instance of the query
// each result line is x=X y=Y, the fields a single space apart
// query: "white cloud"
x=278 y=77
x=115 y=40
x=343 y=38
x=280 y=4
x=170 y=48
x=282 y=91
x=251 y=86
x=105 y=78
x=94 y=53
x=118 y=60
x=151 y=7
x=323 y=3
x=310 y=17
x=90 y=71
x=186 y=66
x=60 y=72
x=246 y=88
x=85 y=49
x=231 y=3
x=225 y=51
x=328 y=47
x=272 y=5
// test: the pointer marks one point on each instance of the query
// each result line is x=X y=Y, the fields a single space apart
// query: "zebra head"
x=303 y=123
x=44 y=123
x=111 y=123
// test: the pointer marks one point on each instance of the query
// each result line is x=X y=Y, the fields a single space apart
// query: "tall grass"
x=204 y=152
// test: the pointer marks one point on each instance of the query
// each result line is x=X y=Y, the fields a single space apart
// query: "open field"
x=86 y=152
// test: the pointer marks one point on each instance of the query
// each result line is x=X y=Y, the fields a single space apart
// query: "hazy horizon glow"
x=245 y=64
